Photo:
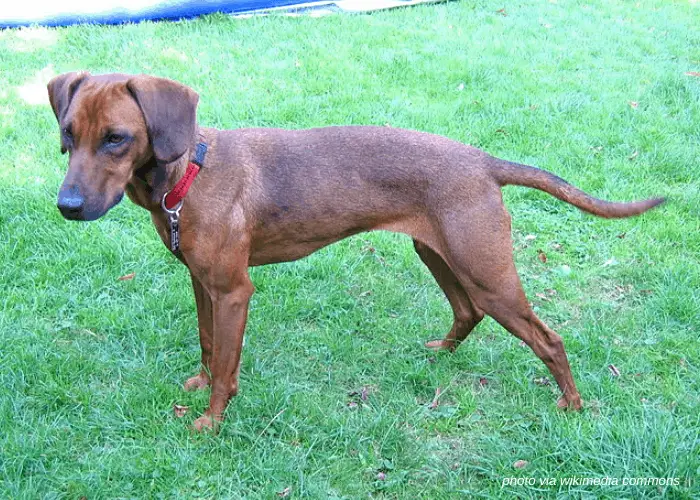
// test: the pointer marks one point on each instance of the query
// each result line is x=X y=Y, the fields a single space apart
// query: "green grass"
x=91 y=366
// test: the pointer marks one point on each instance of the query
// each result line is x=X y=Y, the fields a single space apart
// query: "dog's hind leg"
x=466 y=316
x=479 y=251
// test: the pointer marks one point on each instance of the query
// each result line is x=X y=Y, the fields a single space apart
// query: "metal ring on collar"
x=172 y=211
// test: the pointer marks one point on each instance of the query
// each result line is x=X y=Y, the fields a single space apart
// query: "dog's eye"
x=67 y=133
x=115 y=139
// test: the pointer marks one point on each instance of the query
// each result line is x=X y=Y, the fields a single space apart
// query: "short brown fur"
x=271 y=195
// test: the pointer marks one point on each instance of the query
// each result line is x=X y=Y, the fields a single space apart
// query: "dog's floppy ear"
x=61 y=89
x=170 y=111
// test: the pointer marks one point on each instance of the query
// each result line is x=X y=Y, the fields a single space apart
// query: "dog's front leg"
x=206 y=331
x=229 y=312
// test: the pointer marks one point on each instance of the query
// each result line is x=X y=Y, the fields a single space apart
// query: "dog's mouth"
x=76 y=208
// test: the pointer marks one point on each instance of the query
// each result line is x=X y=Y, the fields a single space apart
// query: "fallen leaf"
x=614 y=371
x=502 y=12
x=436 y=399
x=622 y=235
x=483 y=381
x=542 y=256
x=501 y=131
x=127 y=277
x=520 y=464
x=180 y=410
x=692 y=73
x=285 y=492
x=542 y=296
x=634 y=104
x=542 y=381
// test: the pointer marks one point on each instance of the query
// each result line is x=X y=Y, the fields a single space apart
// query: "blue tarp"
x=16 y=13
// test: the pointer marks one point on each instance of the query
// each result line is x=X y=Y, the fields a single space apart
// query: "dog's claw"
x=440 y=345
x=199 y=381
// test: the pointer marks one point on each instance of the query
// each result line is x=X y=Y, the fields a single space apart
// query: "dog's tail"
x=507 y=173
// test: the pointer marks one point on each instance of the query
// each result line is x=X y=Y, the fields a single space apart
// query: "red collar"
x=178 y=192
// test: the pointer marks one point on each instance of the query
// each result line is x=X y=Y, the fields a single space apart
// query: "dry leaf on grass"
x=127 y=277
x=520 y=464
x=436 y=399
x=692 y=73
x=285 y=492
x=634 y=104
x=542 y=381
x=542 y=256
x=483 y=381
x=180 y=410
x=614 y=371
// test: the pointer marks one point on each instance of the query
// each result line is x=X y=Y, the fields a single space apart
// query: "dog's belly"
x=275 y=244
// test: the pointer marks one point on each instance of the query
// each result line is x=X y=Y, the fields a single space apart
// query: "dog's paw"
x=441 y=345
x=206 y=423
x=574 y=405
x=199 y=381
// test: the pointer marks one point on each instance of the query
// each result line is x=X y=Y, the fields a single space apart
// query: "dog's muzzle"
x=71 y=203
x=74 y=206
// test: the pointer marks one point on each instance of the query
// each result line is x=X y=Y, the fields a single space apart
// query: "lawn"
x=337 y=389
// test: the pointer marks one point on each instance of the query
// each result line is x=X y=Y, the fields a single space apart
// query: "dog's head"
x=111 y=125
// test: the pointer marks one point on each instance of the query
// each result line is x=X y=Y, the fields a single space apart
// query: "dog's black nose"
x=71 y=202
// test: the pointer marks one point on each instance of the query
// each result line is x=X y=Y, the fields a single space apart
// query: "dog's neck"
x=153 y=179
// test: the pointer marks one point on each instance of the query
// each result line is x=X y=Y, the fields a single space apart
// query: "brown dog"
x=271 y=195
